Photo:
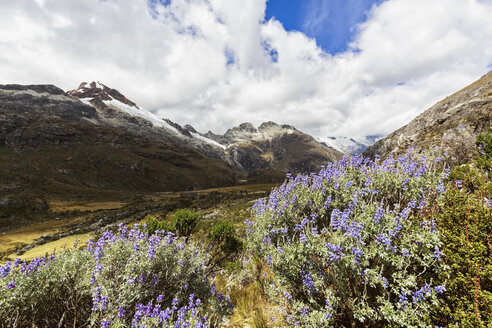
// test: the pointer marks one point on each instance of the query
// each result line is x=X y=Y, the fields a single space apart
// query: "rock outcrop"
x=451 y=125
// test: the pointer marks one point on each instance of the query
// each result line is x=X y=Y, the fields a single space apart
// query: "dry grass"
x=13 y=239
x=252 y=306
x=60 y=206
x=56 y=246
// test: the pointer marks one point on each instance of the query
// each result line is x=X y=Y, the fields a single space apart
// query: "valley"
x=71 y=221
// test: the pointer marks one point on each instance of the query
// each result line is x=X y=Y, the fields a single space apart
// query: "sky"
x=332 y=23
x=329 y=67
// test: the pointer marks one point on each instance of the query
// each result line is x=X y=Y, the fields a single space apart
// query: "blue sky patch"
x=331 y=22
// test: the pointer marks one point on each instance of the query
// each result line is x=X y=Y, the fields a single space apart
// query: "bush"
x=152 y=225
x=121 y=280
x=184 y=221
x=225 y=243
x=465 y=219
x=354 y=245
x=484 y=144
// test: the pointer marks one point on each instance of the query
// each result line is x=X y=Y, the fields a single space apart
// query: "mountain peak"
x=246 y=126
x=99 y=91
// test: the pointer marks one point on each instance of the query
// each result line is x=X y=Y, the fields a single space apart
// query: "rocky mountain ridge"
x=244 y=147
x=451 y=125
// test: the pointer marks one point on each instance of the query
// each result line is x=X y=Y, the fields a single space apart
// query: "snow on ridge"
x=348 y=145
x=86 y=101
x=152 y=118
x=156 y=121
x=207 y=140
x=139 y=112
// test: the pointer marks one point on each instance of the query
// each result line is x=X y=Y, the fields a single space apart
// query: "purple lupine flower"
x=357 y=255
x=308 y=282
x=422 y=293
x=121 y=312
x=437 y=253
x=17 y=262
x=440 y=289
x=5 y=270
x=403 y=300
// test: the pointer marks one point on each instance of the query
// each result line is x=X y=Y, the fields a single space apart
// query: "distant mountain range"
x=451 y=125
x=349 y=145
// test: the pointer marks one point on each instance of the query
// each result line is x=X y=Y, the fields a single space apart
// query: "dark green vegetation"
x=484 y=145
x=465 y=219
x=183 y=223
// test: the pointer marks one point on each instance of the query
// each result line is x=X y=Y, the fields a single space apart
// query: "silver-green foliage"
x=120 y=280
x=354 y=244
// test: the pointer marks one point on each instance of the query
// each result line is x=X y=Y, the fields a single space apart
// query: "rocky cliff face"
x=271 y=145
x=452 y=124
x=279 y=146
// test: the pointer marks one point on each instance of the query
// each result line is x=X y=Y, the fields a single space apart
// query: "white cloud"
x=174 y=60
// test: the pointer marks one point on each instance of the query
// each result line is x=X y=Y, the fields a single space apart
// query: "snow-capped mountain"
x=348 y=145
x=243 y=147
x=110 y=102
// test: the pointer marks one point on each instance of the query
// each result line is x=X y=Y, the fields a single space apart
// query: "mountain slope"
x=54 y=146
x=452 y=124
x=281 y=147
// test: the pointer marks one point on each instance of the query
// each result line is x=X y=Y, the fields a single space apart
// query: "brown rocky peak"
x=97 y=90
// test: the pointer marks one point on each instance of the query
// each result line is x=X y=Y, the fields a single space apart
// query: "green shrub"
x=484 y=144
x=184 y=221
x=354 y=245
x=465 y=219
x=47 y=291
x=150 y=225
x=225 y=243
